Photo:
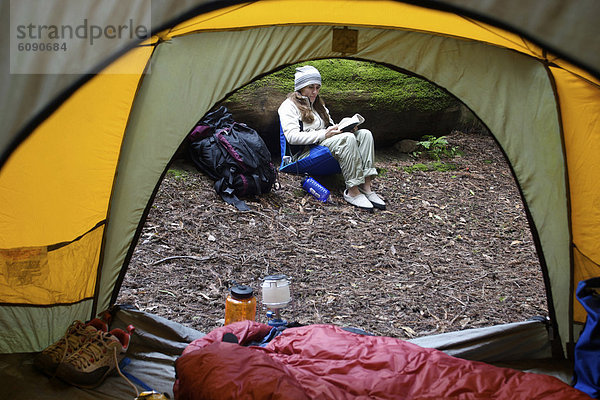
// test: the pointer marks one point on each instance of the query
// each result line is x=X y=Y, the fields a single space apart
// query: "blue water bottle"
x=313 y=187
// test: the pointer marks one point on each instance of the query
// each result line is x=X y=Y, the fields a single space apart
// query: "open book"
x=349 y=123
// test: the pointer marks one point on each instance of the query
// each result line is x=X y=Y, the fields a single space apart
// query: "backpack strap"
x=226 y=193
x=257 y=183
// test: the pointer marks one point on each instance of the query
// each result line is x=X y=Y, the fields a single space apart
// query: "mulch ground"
x=452 y=251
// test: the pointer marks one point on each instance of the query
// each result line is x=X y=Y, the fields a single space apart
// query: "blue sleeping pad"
x=320 y=161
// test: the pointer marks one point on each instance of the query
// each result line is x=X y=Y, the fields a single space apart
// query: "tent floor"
x=158 y=342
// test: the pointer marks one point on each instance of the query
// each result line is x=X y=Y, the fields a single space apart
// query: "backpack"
x=233 y=155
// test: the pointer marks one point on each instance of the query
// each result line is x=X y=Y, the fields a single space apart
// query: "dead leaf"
x=409 y=331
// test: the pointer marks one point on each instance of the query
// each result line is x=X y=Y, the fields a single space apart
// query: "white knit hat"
x=306 y=75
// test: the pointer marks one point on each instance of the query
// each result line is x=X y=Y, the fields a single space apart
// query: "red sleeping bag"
x=327 y=362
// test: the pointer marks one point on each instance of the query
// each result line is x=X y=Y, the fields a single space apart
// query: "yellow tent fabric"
x=379 y=14
x=580 y=105
x=75 y=191
x=55 y=192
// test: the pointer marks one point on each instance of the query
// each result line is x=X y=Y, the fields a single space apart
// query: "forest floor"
x=452 y=251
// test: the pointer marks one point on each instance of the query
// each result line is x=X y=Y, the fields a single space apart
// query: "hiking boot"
x=76 y=335
x=98 y=357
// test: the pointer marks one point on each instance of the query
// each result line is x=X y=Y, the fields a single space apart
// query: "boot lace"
x=72 y=339
x=96 y=350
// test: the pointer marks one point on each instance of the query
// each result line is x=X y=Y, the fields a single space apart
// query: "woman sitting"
x=305 y=121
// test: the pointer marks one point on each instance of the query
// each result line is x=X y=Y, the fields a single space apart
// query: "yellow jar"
x=240 y=304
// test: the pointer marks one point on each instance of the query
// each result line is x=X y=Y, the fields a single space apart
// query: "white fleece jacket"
x=289 y=117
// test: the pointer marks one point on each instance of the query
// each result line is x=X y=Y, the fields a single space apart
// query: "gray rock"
x=406 y=146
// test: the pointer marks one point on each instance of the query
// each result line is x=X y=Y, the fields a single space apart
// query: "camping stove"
x=276 y=296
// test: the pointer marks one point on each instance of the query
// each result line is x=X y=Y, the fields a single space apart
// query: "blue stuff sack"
x=587 y=350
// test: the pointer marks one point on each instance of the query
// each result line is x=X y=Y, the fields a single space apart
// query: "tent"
x=83 y=152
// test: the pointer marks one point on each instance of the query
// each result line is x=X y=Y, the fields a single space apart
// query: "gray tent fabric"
x=562 y=26
x=525 y=346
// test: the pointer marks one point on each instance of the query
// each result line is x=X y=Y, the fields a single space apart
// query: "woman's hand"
x=332 y=131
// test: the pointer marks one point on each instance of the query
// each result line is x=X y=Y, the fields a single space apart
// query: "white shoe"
x=359 y=201
x=374 y=199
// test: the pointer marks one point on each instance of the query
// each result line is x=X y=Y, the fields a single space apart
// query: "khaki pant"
x=355 y=152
